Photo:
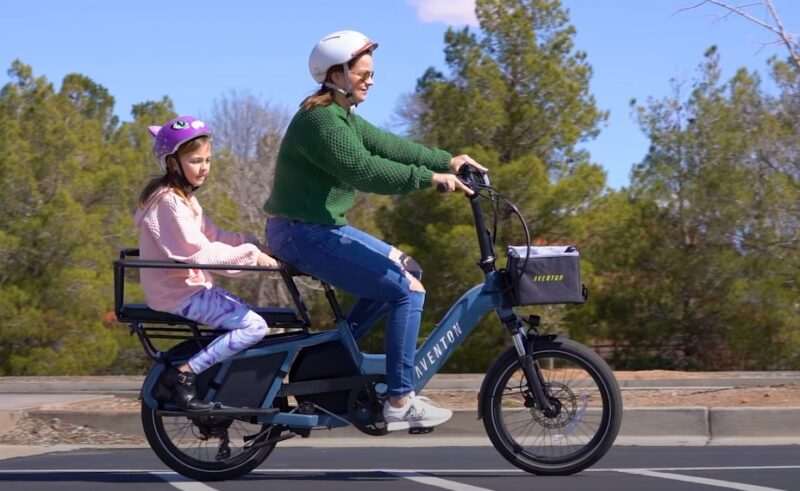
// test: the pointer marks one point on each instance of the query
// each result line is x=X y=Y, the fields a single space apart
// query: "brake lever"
x=475 y=176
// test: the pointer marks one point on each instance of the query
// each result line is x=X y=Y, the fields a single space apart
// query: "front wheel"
x=580 y=386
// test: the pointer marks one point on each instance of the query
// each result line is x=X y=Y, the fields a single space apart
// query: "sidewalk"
x=89 y=403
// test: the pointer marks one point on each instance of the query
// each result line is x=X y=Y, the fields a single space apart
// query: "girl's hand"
x=447 y=183
x=265 y=260
x=459 y=160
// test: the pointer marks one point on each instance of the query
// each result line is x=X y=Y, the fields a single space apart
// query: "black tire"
x=190 y=445
x=584 y=388
x=180 y=444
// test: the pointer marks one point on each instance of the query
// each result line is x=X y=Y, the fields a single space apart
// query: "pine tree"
x=699 y=256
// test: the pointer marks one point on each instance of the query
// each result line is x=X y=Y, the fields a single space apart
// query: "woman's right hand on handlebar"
x=459 y=160
x=447 y=183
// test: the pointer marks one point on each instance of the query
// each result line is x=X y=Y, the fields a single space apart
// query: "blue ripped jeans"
x=358 y=263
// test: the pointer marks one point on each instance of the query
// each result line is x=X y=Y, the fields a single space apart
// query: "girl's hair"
x=324 y=96
x=173 y=178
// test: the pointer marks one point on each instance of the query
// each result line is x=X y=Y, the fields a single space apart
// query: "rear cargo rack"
x=149 y=324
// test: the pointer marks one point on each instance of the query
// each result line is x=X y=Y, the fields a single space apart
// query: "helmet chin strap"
x=185 y=184
x=348 y=89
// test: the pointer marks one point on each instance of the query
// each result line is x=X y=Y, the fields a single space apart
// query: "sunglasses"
x=364 y=76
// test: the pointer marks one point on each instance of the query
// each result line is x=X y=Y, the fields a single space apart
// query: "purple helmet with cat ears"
x=173 y=134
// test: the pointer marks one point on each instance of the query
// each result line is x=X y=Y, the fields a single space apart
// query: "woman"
x=327 y=155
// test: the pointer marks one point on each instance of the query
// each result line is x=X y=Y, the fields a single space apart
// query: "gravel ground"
x=34 y=431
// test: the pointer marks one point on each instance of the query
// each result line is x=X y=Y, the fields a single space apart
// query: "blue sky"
x=195 y=52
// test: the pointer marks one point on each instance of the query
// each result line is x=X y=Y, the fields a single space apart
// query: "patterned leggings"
x=219 y=308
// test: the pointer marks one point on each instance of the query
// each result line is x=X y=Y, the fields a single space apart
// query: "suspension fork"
x=531 y=370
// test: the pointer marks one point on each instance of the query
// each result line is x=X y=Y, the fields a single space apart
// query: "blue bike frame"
x=460 y=320
x=450 y=332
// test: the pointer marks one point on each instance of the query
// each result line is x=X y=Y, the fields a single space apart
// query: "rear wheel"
x=587 y=416
x=207 y=448
x=201 y=446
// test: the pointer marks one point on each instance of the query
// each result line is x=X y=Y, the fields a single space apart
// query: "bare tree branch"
x=250 y=130
x=777 y=28
x=787 y=40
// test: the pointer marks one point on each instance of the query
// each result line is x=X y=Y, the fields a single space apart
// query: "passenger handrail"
x=120 y=264
x=155 y=264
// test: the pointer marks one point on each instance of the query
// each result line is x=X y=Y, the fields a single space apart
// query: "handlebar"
x=478 y=182
x=471 y=176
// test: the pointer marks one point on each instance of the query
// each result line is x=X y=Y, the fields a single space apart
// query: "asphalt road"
x=624 y=468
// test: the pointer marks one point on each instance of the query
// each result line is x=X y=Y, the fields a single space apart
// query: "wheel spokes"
x=577 y=422
x=206 y=442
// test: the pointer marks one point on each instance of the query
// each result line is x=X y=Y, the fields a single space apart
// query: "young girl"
x=173 y=227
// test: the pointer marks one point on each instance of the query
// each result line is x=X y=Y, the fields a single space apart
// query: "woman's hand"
x=447 y=183
x=459 y=160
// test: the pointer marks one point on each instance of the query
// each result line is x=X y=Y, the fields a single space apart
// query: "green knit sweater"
x=327 y=155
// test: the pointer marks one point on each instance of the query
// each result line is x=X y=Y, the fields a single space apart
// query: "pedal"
x=419 y=431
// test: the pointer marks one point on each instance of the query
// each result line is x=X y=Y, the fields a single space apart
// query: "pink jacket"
x=172 y=229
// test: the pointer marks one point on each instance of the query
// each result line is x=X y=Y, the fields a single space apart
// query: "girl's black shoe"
x=184 y=392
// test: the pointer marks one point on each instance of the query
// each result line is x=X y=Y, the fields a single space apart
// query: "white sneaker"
x=418 y=412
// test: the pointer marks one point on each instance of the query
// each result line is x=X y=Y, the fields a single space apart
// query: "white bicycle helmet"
x=337 y=48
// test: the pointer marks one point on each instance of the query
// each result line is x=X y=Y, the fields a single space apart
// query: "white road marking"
x=392 y=471
x=158 y=472
x=427 y=471
x=425 y=476
x=435 y=481
x=183 y=483
x=700 y=480
x=707 y=468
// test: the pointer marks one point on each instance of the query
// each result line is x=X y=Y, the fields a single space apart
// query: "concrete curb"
x=130 y=384
x=679 y=425
x=757 y=422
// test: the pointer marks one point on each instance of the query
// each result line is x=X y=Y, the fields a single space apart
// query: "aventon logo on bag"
x=547 y=277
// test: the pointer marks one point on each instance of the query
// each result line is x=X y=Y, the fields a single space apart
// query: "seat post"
x=334 y=303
